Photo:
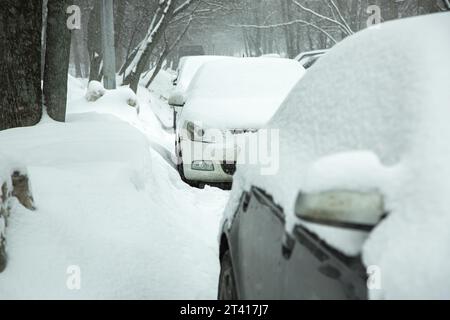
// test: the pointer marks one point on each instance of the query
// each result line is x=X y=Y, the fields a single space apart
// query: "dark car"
x=309 y=58
x=350 y=212
x=260 y=260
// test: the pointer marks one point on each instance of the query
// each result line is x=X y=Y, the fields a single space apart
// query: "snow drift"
x=111 y=205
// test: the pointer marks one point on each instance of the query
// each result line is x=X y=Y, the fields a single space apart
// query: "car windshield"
x=245 y=78
x=252 y=88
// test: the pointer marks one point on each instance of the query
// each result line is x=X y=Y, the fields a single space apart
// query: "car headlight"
x=198 y=134
x=195 y=133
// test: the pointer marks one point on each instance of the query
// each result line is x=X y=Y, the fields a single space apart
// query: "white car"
x=228 y=98
x=185 y=74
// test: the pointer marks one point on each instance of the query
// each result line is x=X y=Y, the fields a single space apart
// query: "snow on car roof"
x=240 y=92
x=189 y=67
x=383 y=92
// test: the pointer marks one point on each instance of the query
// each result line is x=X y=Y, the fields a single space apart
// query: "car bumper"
x=208 y=162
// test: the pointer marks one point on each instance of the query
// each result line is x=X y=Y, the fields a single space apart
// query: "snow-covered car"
x=359 y=207
x=185 y=74
x=228 y=98
x=309 y=58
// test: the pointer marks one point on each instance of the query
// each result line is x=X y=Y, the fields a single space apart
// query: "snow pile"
x=77 y=88
x=111 y=210
x=240 y=93
x=157 y=97
x=271 y=55
x=383 y=93
x=161 y=85
x=95 y=91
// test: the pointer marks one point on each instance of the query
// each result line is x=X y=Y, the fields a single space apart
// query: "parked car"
x=359 y=207
x=309 y=58
x=228 y=97
x=185 y=74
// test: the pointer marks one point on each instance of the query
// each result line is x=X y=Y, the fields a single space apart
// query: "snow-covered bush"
x=130 y=97
x=95 y=91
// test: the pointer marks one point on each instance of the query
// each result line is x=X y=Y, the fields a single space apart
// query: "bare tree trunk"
x=270 y=39
x=95 y=42
x=44 y=35
x=258 y=36
x=20 y=63
x=119 y=26
x=246 y=42
x=76 y=54
x=285 y=7
x=57 y=57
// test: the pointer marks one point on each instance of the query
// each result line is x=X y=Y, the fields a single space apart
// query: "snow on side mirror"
x=177 y=100
x=343 y=209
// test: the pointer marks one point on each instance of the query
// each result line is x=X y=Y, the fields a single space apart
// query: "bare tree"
x=20 y=63
x=57 y=57
x=136 y=66
x=166 y=51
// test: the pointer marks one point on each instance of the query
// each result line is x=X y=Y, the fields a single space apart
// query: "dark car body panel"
x=272 y=264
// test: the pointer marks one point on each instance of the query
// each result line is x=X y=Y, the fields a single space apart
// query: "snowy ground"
x=111 y=204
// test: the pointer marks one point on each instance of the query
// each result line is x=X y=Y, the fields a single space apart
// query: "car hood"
x=252 y=113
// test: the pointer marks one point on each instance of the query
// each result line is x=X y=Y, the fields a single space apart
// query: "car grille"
x=229 y=168
x=242 y=131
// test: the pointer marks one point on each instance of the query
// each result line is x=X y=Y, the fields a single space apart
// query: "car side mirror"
x=177 y=100
x=343 y=209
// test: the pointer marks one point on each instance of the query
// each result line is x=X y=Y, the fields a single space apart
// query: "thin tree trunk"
x=56 y=60
x=119 y=26
x=166 y=51
x=43 y=36
x=20 y=63
x=285 y=7
x=77 y=54
x=95 y=42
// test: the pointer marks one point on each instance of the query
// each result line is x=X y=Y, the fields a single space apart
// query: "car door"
x=258 y=259
x=316 y=271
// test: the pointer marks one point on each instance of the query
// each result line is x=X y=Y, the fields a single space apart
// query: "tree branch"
x=278 y=25
x=341 y=25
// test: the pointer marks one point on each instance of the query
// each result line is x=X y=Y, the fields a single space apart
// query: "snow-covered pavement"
x=110 y=208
